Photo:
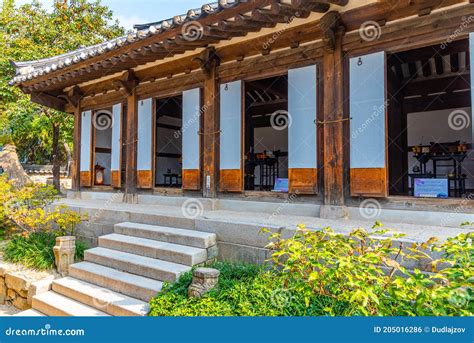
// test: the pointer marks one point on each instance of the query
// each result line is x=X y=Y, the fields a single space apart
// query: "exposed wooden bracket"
x=128 y=82
x=207 y=59
x=73 y=96
x=329 y=24
x=48 y=100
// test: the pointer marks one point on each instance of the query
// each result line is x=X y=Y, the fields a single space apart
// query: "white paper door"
x=302 y=130
x=145 y=144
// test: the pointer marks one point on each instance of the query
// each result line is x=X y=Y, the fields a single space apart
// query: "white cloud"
x=129 y=21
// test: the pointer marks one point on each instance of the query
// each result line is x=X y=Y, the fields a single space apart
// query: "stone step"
x=136 y=264
x=190 y=238
x=135 y=286
x=57 y=305
x=103 y=299
x=29 y=313
x=170 y=252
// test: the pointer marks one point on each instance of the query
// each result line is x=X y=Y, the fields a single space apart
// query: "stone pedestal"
x=64 y=252
x=204 y=279
x=334 y=212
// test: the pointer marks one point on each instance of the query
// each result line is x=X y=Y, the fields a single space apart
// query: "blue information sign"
x=281 y=186
x=431 y=188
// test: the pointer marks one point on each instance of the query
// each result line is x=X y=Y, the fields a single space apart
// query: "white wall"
x=434 y=126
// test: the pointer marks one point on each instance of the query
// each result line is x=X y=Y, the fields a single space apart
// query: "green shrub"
x=364 y=271
x=29 y=219
x=317 y=273
x=36 y=250
x=29 y=209
x=243 y=290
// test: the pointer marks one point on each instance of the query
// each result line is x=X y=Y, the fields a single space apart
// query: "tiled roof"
x=29 y=70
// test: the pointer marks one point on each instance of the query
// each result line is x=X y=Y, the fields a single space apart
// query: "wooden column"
x=333 y=122
x=76 y=164
x=209 y=63
x=131 y=142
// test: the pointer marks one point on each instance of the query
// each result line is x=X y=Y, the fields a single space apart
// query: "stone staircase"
x=125 y=271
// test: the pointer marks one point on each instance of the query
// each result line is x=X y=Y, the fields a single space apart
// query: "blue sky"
x=130 y=12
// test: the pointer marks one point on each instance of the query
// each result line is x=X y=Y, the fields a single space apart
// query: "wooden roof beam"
x=48 y=100
x=263 y=15
x=128 y=82
x=73 y=96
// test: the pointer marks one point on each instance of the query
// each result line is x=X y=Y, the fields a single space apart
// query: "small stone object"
x=64 y=252
x=204 y=279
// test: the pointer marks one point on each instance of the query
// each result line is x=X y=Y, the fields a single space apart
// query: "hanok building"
x=329 y=101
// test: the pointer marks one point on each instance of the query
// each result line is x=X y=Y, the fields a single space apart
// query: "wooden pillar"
x=76 y=164
x=209 y=63
x=333 y=122
x=131 y=143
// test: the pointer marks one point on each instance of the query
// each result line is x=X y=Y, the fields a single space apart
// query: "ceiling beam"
x=48 y=100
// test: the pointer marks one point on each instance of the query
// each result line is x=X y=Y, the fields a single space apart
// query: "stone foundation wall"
x=17 y=287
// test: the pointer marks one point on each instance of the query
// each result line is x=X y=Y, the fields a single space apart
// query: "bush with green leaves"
x=29 y=209
x=32 y=223
x=365 y=272
x=36 y=250
x=318 y=273
x=243 y=290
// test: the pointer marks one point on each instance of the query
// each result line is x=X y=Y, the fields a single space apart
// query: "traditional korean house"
x=333 y=101
x=193 y=133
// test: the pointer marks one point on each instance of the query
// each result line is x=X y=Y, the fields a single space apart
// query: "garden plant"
x=31 y=222
x=319 y=273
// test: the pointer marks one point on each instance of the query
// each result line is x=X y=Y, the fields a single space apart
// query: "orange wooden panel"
x=144 y=179
x=86 y=179
x=303 y=180
x=370 y=182
x=115 y=179
x=191 y=179
x=231 y=180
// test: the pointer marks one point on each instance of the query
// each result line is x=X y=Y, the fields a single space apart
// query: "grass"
x=243 y=290
x=36 y=250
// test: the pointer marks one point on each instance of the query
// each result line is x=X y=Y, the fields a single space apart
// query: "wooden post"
x=209 y=63
x=131 y=144
x=333 y=122
x=76 y=164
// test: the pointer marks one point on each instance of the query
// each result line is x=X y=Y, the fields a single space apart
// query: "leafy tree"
x=31 y=32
